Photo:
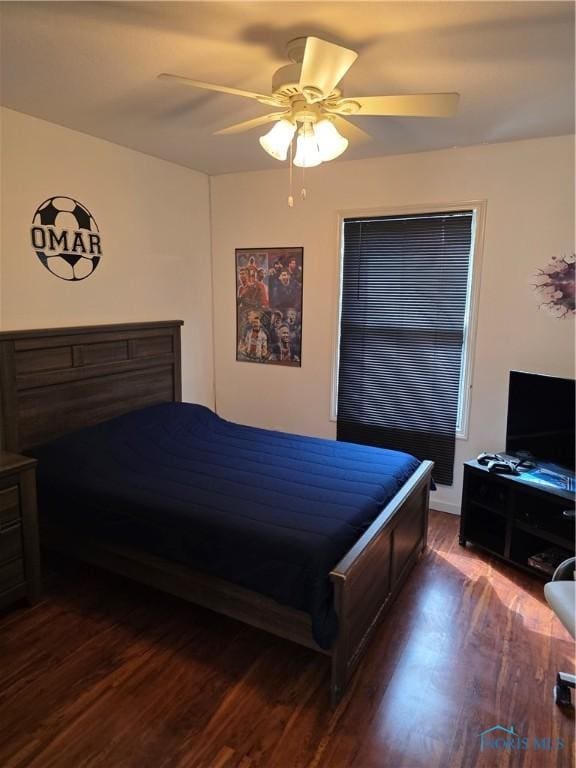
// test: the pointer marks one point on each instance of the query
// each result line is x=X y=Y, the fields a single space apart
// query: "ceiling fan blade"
x=416 y=105
x=261 y=97
x=350 y=131
x=324 y=65
x=247 y=125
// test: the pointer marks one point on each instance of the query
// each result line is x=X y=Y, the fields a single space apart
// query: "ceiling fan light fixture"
x=330 y=143
x=307 y=152
x=278 y=139
x=311 y=102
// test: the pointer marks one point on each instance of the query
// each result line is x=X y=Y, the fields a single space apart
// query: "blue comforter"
x=270 y=511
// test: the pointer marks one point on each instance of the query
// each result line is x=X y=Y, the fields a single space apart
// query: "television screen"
x=541 y=418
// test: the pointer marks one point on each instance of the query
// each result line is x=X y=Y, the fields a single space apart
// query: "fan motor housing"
x=285 y=81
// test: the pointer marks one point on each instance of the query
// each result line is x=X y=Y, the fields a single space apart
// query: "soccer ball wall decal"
x=66 y=238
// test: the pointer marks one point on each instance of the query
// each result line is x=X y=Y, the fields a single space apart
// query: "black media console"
x=516 y=519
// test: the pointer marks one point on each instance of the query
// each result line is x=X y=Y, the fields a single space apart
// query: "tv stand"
x=514 y=519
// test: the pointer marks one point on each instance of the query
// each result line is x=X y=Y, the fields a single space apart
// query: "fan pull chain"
x=303 y=190
x=290 y=196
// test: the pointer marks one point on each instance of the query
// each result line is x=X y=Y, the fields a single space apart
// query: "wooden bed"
x=54 y=381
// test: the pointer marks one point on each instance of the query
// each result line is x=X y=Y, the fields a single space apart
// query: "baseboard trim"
x=445 y=506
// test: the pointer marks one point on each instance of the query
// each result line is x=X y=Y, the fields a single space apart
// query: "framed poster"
x=269 y=305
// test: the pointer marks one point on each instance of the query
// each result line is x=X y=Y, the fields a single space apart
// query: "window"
x=405 y=309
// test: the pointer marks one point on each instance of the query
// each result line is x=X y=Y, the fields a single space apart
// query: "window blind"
x=404 y=298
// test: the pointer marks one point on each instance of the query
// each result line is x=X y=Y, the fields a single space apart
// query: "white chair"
x=561 y=596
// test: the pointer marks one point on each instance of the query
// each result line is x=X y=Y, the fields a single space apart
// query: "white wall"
x=528 y=186
x=153 y=218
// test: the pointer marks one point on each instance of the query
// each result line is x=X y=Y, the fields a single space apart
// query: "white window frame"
x=478 y=208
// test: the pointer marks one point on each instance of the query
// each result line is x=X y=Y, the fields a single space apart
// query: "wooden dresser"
x=19 y=549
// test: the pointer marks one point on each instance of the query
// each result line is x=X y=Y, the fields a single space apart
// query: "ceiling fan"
x=310 y=104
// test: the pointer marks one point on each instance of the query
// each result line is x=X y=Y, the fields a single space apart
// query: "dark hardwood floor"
x=108 y=674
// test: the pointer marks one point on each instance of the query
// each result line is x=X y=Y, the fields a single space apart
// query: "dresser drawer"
x=9 y=506
x=19 y=545
x=11 y=574
x=10 y=543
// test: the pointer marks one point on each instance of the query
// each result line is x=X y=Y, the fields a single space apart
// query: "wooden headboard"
x=56 y=380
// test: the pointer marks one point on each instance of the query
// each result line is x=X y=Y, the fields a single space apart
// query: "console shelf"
x=514 y=519
x=489 y=510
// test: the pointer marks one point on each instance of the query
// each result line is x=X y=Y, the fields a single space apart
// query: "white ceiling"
x=93 y=66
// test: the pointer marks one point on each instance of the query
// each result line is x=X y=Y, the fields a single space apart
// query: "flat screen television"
x=541 y=418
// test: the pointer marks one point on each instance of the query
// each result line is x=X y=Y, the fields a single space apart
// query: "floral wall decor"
x=554 y=286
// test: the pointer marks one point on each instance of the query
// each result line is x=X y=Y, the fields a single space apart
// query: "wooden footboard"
x=368 y=578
